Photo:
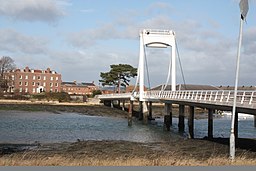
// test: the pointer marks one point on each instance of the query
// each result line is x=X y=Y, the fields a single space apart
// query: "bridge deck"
x=221 y=100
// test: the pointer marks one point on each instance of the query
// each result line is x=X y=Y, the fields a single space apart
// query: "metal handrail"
x=213 y=96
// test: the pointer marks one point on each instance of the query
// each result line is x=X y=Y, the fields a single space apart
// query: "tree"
x=119 y=75
x=6 y=64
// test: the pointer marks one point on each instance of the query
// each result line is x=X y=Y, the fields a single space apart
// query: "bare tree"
x=6 y=64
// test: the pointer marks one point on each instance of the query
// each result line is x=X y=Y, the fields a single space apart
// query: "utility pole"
x=244 y=7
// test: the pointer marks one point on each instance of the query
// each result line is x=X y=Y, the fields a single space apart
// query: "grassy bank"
x=123 y=153
x=86 y=109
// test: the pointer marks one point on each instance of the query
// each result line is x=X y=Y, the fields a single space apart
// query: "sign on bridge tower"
x=153 y=38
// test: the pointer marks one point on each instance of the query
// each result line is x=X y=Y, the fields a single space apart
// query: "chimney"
x=27 y=69
x=48 y=70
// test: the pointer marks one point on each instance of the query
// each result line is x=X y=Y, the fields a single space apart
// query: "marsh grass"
x=124 y=153
x=58 y=160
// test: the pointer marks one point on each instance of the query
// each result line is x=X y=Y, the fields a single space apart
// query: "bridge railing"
x=223 y=97
x=243 y=97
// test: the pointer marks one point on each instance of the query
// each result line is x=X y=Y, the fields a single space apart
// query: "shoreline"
x=93 y=108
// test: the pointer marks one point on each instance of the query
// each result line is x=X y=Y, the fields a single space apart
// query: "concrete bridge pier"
x=236 y=125
x=145 y=112
x=123 y=105
x=112 y=104
x=191 y=121
x=140 y=117
x=210 y=123
x=130 y=109
x=168 y=116
x=118 y=104
x=181 y=123
x=150 y=111
x=107 y=102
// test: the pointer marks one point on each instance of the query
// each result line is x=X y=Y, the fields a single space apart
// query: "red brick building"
x=32 y=81
x=78 y=88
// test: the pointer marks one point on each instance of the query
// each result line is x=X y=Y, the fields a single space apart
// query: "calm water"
x=20 y=127
x=221 y=127
x=28 y=127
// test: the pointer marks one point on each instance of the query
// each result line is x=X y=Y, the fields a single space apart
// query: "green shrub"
x=96 y=92
x=59 y=96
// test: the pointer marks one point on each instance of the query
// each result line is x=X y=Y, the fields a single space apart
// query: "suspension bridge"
x=211 y=100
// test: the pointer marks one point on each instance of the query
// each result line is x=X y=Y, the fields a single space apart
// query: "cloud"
x=32 y=10
x=158 y=8
x=13 y=41
x=85 y=65
x=249 y=41
x=87 y=38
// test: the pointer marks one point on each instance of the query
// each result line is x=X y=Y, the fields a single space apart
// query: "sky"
x=81 y=38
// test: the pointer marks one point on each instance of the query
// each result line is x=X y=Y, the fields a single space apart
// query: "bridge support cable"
x=146 y=65
x=181 y=68
x=137 y=81
x=168 y=76
x=169 y=70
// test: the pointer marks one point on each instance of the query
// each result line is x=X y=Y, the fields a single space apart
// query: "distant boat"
x=240 y=115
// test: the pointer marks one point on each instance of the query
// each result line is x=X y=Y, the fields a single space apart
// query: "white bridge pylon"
x=154 y=38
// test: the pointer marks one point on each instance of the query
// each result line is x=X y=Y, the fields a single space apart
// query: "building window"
x=20 y=90
x=56 y=90
x=26 y=83
x=56 y=84
x=34 y=90
x=20 y=76
x=44 y=77
x=51 y=84
x=57 y=78
x=39 y=77
x=50 y=90
x=20 y=83
x=38 y=84
x=34 y=77
x=44 y=84
x=12 y=77
x=51 y=78
x=26 y=77
x=33 y=83
x=26 y=90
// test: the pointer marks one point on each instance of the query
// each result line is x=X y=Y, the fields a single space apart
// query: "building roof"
x=245 y=88
x=88 y=84
x=74 y=83
x=188 y=87
x=27 y=69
